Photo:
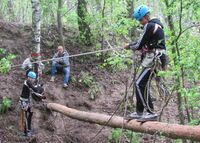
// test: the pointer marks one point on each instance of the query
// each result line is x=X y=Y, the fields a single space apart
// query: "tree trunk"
x=11 y=10
x=84 y=28
x=130 y=8
x=36 y=15
x=169 y=130
x=59 y=20
x=176 y=59
x=102 y=28
x=180 y=108
x=98 y=3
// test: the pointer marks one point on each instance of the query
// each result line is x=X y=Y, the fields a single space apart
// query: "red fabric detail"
x=35 y=54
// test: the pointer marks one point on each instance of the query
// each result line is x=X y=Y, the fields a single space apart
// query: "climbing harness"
x=24 y=103
x=156 y=63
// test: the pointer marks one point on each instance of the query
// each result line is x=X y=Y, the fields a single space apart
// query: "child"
x=25 y=102
x=151 y=44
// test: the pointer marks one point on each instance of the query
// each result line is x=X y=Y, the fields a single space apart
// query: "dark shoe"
x=29 y=133
x=135 y=115
x=148 y=117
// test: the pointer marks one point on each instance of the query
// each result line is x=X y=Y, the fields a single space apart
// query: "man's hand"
x=126 y=46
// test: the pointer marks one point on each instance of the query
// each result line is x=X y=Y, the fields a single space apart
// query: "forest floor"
x=51 y=127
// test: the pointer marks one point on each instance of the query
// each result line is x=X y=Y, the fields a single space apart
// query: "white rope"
x=70 y=56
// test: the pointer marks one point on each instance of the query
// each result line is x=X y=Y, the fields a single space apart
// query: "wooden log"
x=174 y=131
x=21 y=121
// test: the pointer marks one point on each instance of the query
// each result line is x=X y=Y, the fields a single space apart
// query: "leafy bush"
x=195 y=122
x=5 y=105
x=86 y=79
x=117 y=62
x=177 y=141
x=116 y=134
x=5 y=61
x=93 y=91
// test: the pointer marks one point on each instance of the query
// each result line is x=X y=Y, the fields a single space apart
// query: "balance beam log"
x=174 y=131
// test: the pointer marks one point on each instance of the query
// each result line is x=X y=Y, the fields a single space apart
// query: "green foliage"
x=195 y=122
x=86 y=79
x=118 y=62
x=183 y=50
x=114 y=25
x=93 y=91
x=188 y=62
x=5 y=105
x=5 y=61
x=116 y=135
x=50 y=44
x=73 y=79
x=177 y=141
x=20 y=11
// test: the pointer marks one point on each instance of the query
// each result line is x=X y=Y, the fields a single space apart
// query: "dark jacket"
x=64 y=58
x=153 y=36
x=27 y=87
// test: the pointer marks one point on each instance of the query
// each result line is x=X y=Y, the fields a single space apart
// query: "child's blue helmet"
x=32 y=75
x=140 y=12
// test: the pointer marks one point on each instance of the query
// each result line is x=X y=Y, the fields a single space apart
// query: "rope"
x=70 y=56
x=108 y=120
x=125 y=110
x=147 y=88
x=123 y=99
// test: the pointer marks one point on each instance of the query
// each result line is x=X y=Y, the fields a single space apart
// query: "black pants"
x=28 y=118
x=142 y=91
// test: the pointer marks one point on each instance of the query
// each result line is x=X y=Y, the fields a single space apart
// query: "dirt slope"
x=52 y=127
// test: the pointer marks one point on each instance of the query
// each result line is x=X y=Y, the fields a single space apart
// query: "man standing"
x=152 y=46
x=61 y=62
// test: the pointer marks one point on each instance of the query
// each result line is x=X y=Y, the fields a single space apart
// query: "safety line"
x=70 y=56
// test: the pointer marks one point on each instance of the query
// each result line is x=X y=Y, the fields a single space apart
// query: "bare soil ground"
x=51 y=127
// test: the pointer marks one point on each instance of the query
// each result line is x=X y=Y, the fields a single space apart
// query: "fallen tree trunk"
x=174 y=131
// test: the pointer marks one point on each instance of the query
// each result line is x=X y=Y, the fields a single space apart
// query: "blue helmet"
x=32 y=74
x=140 y=12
